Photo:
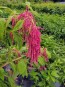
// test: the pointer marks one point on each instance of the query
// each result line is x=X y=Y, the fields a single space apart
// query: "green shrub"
x=56 y=47
x=52 y=8
x=16 y=6
x=53 y=24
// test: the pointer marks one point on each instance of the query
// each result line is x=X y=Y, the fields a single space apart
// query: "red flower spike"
x=33 y=42
x=42 y=68
x=31 y=35
x=12 y=37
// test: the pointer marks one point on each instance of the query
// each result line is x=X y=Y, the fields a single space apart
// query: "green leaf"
x=13 y=66
x=1 y=11
x=2 y=73
x=44 y=74
x=22 y=68
x=8 y=21
x=33 y=73
x=2 y=7
x=49 y=54
x=40 y=84
x=48 y=77
x=18 y=39
x=52 y=78
x=41 y=61
x=12 y=82
x=3 y=84
x=18 y=25
x=28 y=3
x=2 y=27
x=55 y=73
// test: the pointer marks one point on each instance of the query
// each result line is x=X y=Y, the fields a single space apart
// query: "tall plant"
x=22 y=55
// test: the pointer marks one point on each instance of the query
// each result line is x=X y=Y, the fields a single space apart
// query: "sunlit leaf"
x=18 y=25
x=2 y=73
x=2 y=27
x=22 y=68
x=41 y=61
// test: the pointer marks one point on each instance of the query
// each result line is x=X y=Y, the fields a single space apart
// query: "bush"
x=53 y=24
x=16 y=6
x=56 y=47
x=52 y=8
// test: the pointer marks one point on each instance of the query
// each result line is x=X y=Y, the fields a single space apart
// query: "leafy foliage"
x=43 y=74
x=51 y=8
x=52 y=24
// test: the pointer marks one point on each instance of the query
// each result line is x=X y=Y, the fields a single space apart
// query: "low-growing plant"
x=52 y=24
x=51 y=8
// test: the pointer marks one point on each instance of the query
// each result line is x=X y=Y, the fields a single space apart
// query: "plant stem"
x=17 y=59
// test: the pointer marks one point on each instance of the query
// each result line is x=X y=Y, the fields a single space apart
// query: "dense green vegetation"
x=49 y=16
x=53 y=25
x=51 y=8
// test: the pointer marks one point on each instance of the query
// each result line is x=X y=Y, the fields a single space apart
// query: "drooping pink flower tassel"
x=12 y=37
x=31 y=35
x=33 y=42
x=42 y=68
x=28 y=21
x=25 y=14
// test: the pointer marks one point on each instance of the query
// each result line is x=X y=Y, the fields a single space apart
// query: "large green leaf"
x=18 y=25
x=22 y=68
x=18 y=39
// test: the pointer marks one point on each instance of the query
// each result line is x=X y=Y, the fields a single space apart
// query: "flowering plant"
x=22 y=56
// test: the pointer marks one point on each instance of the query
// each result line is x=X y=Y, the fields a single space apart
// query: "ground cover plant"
x=53 y=25
x=48 y=7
